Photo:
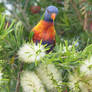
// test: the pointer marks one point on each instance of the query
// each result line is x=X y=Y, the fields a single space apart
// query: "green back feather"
x=42 y=16
x=31 y=35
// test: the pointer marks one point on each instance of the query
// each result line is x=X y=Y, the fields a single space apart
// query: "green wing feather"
x=42 y=16
x=31 y=35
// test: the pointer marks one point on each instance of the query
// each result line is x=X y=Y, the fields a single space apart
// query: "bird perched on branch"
x=44 y=31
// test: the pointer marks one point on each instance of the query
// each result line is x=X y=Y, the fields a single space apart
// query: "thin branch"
x=18 y=78
x=24 y=15
x=76 y=9
x=26 y=3
x=18 y=18
x=26 y=25
x=66 y=5
x=85 y=21
x=23 y=18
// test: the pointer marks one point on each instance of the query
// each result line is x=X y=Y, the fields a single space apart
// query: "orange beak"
x=53 y=16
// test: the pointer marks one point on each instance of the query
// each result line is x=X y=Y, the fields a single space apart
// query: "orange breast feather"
x=44 y=31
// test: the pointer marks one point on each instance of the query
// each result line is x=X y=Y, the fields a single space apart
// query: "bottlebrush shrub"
x=58 y=69
x=67 y=59
x=81 y=79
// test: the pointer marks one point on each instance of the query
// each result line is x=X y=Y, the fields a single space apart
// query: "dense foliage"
x=73 y=47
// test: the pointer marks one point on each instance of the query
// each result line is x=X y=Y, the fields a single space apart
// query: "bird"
x=45 y=31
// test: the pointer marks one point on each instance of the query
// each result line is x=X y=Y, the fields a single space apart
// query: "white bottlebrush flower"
x=1 y=77
x=86 y=68
x=90 y=85
x=73 y=80
x=52 y=69
x=77 y=83
x=30 y=52
x=84 y=87
x=31 y=83
x=45 y=73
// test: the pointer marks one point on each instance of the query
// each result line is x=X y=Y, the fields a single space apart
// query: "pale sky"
x=9 y=6
x=3 y=1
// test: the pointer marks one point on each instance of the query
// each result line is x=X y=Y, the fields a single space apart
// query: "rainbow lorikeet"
x=44 y=31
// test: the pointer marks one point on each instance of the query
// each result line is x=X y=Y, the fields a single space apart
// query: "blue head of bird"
x=50 y=13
